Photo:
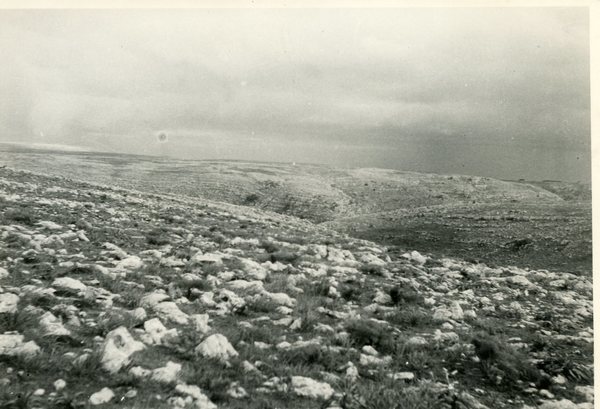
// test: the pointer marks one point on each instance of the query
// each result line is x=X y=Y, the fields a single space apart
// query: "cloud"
x=303 y=82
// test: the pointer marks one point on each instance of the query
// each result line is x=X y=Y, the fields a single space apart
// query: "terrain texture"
x=121 y=298
x=528 y=224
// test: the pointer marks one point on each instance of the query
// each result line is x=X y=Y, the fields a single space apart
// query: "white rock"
x=310 y=388
x=369 y=350
x=351 y=372
x=402 y=376
x=59 y=384
x=216 y=346
x=200 y=322
x=442 y=314
x=207 y=299
x=236 y=391
x=208 y=258
x=13 y=345
x=253 y=270
x=139 y=314
x=169 y=311
x=49 y=225
x=69 y=283
x=243 y=285
x=118 y=346
x=280 y=299
x=563 y=404
x=456 y=311
x=115 y=250
x=103 y=396
x=201 y=401
x=382 y=298
x=368 y=360
x=152 y=299
x=369 y=258
x=156 y=332
x=51 y=325
x=166 y=374
x=3 y=273
x=39 y=392
x=130 y=263
x=8 y=303
x=229 y=302
x=416 y=257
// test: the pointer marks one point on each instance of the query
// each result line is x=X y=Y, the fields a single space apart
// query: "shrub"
x=404 y=295
x=367 y=332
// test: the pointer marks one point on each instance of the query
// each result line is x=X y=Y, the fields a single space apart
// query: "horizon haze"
x=496 y=92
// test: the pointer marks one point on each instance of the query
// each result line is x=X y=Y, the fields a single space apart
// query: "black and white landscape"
x=296 y=208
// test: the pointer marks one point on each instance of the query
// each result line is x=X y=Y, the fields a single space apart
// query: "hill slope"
x=447 y=215
x=129 y=299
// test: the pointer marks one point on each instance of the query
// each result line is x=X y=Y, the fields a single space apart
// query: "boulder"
x=105 y=395
x=310 y=388
x=8 y=303
x=216 y=346
x=118 y=346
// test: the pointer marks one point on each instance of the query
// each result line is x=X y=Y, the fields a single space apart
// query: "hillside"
x=313 y=192
x=121 y=298
x=448 y=215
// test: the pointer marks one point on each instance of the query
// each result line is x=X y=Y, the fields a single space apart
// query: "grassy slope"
x=465 y=216
x=548 y=332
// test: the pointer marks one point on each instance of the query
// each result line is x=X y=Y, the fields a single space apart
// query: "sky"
x=498 y=92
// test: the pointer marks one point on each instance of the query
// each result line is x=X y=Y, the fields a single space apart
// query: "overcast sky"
x=493 y=92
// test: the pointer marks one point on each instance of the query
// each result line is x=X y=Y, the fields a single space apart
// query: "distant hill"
x=452 y=215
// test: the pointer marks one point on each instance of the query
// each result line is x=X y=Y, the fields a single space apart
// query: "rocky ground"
x=125 y=299
x=540 y=225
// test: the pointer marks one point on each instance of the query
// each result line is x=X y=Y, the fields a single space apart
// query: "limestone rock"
x=13 y=345
x=51 y=325
x=216 y=346
x=69 y=284
x=118 y=346
x=103 y=396
x=310 y=388
x=166 y=374
x=8 y=303
x=169 y=311
x=156 y=332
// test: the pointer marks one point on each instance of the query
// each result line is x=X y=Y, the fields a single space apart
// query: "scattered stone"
x=200 y=323
x=169 y=311
x=310 y=388
x=416 y=341
x=402 y=376
x=69 y=284
x=53 y=326
x=105 y=395
x=59 y=384
x=8 y=303
x=117 y=348
x=49 y=225
x=216 y=346
x=156 y=332
x=3 y=273
x=130 y=263
x=201 y=401
x=382 y=298
x=13 y=345
x=166 y=374
x=236 y=391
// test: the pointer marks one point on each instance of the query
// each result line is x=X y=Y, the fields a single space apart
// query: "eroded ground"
x=124 y=299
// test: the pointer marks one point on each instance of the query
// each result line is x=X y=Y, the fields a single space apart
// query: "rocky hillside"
x=117 y=298
x=313 y=192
